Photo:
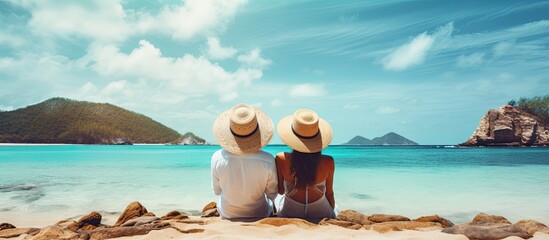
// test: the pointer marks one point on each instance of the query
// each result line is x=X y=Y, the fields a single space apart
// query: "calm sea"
x=42 y=184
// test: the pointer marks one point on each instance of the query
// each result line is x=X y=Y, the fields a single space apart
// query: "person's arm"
x=279 y=158
x=272 y=182
x=215 y=178
x=330 y=181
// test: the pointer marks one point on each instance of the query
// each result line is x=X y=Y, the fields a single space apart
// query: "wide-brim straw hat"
x=243 y=129
x=305 y=132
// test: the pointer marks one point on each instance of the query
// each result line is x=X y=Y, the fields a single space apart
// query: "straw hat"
x=243 y=129
x=305 y=131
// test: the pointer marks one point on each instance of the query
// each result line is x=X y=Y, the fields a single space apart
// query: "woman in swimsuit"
x=305 y=176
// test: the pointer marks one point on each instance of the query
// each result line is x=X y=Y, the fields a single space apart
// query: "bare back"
x=324 y=173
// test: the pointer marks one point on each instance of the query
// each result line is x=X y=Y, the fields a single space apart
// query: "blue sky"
x=428 y=70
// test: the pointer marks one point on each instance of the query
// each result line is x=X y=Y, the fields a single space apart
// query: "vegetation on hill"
x=61 y=120
x=538 y=106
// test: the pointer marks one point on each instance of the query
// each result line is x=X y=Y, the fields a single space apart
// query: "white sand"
x=223 y=229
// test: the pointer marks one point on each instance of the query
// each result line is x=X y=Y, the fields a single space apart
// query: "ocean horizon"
x=39 y=183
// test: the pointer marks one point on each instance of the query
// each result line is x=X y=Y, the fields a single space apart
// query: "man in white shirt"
x=243 y=176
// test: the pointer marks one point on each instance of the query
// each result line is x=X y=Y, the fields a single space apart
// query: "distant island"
x=519 y=123
x=387 y=139
x=62 y=120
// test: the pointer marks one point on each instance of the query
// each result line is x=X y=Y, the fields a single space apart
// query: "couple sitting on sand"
x=248 y=179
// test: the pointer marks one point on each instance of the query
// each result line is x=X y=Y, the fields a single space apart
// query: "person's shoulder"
x=219 y=154
x=263 y=155
x=328 y=160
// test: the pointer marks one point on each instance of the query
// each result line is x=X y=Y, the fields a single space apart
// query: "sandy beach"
x=137 y=223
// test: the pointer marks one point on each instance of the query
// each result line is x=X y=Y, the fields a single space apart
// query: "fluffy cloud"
x=415 y=51
x=253 y=58
x=216 y=51
x=187 y=75
x=196 y=16
x=471 y=60
x=307 y=90
x=108 y=21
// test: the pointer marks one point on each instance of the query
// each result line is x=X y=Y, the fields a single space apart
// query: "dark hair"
x=303 y=168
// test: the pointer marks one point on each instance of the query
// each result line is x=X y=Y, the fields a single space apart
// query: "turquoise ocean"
x=40 y=185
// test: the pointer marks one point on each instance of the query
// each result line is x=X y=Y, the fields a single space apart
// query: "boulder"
x=16 y=232
x=59 y=232
x=138 y=221
x=149 y=214
x=176 y=215
x=341 y=223
x=378 y=218
x=209 y=206
x=509 y=126
x=277 y=222
x=531 y=226
x=116 y=232
x=133 y=210
x=487 y=231
x=6 y=226
x=435 y=218
x=483 y=217
x=389 y=226
x=93 y=220
x=354 y=217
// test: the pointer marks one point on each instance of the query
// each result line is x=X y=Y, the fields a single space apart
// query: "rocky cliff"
x=509 y=126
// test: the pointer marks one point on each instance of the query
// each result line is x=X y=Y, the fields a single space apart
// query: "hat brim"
x=305 y=145
x=238 y=145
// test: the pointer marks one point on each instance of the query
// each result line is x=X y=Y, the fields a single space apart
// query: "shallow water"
x=42 y=184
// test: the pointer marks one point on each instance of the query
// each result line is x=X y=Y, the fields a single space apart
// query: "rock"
x=341 y=223
x=16 y=232
x=509 y=126
x=176 y=215
x=210 y=213
x=209 y=206
x=487 y=231
x=120 y=141
x=6 y=226
x=138 y=221
x=483 y=217
x=354 y=216
x=378 y=218
x=150 y=214
x=58 y=232
x=531 y=226
x=389 y=226
x=277 y=222
x=133 y=210
x=435 y=218
x=115 y=232
x=92 y=219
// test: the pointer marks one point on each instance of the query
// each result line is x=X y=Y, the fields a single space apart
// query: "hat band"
x=247 y=135
x=304 y=137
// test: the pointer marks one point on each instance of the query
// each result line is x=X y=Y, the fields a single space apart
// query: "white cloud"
x=216 y=51
x=276 y=102
x=196 y=17
x=102 y=20
x=11 y=40
x=114 y=87
x=108 y=21
x=387 y=110
x=472 y=60
x=503 y=48
x=253 y=58
x=415 y=51
x=307 y=90
x=186 y=76
x=351 y=106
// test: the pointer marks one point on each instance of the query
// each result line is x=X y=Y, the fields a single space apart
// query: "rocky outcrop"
x=531 y=226
x=90 y=221
x=483 y=217
x=210 y=210
x=509 y=126
x=435 y=218
x=6 y=226
x=133 y=210
x=191 y=139
x=487 y=231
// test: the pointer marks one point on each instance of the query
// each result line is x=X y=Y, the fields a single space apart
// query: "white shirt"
x=244 y=182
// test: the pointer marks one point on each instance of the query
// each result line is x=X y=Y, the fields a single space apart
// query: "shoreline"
x=135 y=222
